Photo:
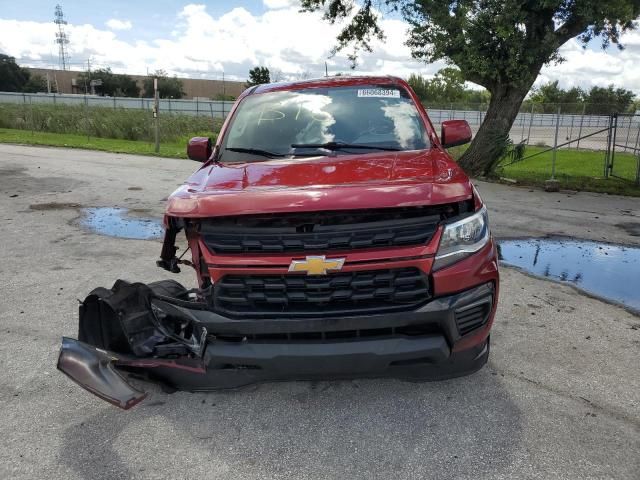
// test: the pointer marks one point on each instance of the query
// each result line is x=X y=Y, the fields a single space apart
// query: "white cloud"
x=297 y=44
x=115 y=24
x=588 y=67
x=274 y=4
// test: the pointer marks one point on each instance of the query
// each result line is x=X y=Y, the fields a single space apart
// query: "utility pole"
x=156 y=108
x=61 y=38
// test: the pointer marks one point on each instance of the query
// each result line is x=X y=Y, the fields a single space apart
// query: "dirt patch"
x=54 y=206
x=16 y=181
x=632 y=228
x=140 y=210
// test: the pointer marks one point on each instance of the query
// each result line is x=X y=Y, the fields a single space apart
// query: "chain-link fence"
x=195 y=106
x=119 y=118
x=623 y=146
x=571 y=143
x=577 y=144
x=535 y=124
x=584 y=152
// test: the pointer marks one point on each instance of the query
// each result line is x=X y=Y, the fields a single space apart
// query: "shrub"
x=102 y=122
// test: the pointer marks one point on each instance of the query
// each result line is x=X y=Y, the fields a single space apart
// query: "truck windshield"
x=341 y=120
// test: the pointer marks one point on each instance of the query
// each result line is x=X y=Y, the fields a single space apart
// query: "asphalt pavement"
x=559 y=398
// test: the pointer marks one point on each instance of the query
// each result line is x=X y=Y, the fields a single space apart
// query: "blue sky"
x=152 y=19
x=205 y=39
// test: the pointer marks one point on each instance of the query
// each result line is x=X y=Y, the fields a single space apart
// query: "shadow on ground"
x=349 y=429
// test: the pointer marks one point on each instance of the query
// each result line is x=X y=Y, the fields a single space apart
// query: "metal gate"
x=623 y=137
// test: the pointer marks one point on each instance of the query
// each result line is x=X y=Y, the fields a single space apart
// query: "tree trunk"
x=490 y=143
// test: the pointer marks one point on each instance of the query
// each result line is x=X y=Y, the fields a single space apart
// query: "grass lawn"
x=575 y=169
x=167 y=149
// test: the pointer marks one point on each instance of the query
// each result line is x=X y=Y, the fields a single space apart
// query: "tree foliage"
x=169 y=87
x=598 y=100
x=445 y=88
x=14 y=78
x=35 y=84
x=113 y=84
x=607 y=100
x=551 y=94
x=257 y=76
x=498 y=44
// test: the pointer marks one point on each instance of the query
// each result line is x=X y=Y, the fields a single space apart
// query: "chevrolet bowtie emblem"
x=316 y=265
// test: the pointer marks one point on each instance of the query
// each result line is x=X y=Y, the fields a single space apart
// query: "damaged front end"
x=123 y=329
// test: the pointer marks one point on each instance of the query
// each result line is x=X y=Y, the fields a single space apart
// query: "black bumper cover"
x=162 y=335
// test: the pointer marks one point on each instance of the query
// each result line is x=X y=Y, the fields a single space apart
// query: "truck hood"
x=388 y=179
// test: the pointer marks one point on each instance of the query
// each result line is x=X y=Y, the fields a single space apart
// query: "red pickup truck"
x=332 y=236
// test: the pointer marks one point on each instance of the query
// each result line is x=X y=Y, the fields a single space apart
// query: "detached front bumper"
x=153 y=331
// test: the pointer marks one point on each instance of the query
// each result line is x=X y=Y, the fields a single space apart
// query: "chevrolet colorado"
x=332 y=236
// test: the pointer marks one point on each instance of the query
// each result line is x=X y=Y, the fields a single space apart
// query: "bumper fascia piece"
x=94 y=370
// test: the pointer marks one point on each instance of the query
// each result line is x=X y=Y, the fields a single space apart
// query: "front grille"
x=472 y=317
x=322 y=231
x=337 y=293
x=413 y=330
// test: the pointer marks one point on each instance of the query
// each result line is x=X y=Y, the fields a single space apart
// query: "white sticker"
x=378 y=93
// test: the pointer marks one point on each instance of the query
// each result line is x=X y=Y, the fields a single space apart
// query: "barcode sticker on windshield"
x=379 y=93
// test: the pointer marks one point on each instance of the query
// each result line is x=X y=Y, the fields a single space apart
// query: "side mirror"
x=199 y=149
x=454 y=133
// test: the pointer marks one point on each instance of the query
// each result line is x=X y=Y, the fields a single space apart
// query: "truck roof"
x=340 y=81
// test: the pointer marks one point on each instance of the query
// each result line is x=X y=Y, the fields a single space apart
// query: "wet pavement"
x=116 y=222
x=608 y=271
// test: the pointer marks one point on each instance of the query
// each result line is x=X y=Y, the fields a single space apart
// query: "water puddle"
x=116 y=222
x=602 y=269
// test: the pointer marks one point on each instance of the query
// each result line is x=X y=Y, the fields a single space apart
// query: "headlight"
x=462 y=238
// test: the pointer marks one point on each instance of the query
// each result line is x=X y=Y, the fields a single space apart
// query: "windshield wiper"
x=343 y=145
x=255 y=151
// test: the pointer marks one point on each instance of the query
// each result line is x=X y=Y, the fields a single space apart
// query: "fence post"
x=584 y=109
x=626 y=142
x=555 y=146
x=86 y=116
x=570 y=136
x=530 y=123
x=31 y=108
x=197 y=106
x=606 y=152
x=156 y=114
x=114 y=103
x=635 y=150
x=614 y=135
